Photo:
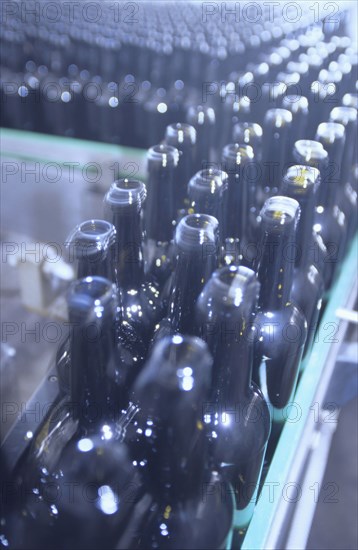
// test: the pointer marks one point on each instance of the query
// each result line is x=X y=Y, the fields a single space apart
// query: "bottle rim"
x=329 y=132
x=163 y=154
x=301 y=178
x=196 y=230
x=181 y=132
x=280 y=210
x=93 y=235
x=310 y=150
x=126 y=193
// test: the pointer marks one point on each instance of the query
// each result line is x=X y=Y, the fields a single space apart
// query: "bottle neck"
x=183 y=138
x=301 y=183
x=276 y=129
x=129 y=251
x=275 y=265
x=160 y=209
x=236 y=161
x=224 y=315
x=191 y=273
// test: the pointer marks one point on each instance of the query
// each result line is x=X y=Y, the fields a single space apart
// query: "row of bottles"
x=182 y=355
x=158 y=42
x=307 y=81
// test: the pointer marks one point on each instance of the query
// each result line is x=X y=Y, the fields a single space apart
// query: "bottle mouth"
x=295 y=104
x=309 y=151
x=91 y=237
x=236 y=154
x=163 y=155
x=195 y=231
x=301 y=178
x=330 y=132
x=280 y=210
x=88 y=297
x=278 y=118
x=126 y=193
x=350 y=100
x=180 y=132
x=343 y=115
x=201 y=115
x=247 y=132
x=208 y=180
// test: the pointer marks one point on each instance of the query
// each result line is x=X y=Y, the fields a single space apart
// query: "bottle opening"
x=163 y=154
x=200 y=115
x=299 y=178
x=350 y=100
x=280 y=210
x=308 y=150
x=343 y=115
x=278 y=117
x=295 y=104
x=95 y=229
x=91 y=237
x=126 y=193
x=180 y=132
x=209 y=180
x=329 y=132
x=195 y=231
x=246 y=132
x=236 y=153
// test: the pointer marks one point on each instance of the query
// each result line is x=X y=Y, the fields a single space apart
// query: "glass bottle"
x=237 y=161
x=140 y=298
x=237 y=416
x=203 y=120
x=347 y=195
x=249 y=133
x=193 y=503
x=282 y=326
x=206 y=190
x=160 y=211
x=183 y=137
x=332 y=137
x=298 y=106
x=330 y=228
x=96 y=411
x=301 y=183
x=91 y=247
x=197 y=249
x=277 y=128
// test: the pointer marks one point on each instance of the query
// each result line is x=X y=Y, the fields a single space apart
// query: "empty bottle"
x=193 y=503
x=140 y=298
x=183 y=137
x=197 y=251
x=160 y=211
x=301 y=183
x=282 y=326
x=237 y=416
